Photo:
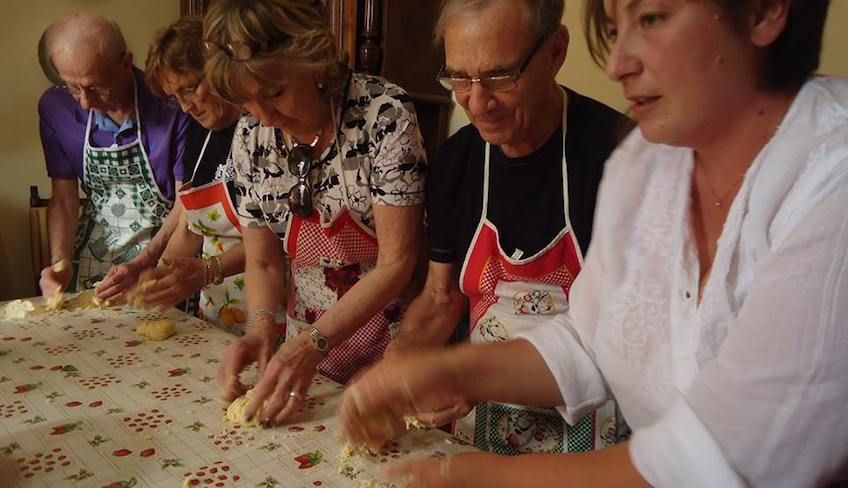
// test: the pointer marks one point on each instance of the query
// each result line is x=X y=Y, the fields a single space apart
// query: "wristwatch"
x=320 y=342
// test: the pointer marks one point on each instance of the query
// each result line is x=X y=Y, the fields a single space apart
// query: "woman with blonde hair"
x=330 y=171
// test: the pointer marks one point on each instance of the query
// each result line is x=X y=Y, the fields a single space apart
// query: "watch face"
x=322 y=344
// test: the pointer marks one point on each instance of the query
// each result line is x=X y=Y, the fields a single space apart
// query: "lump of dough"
x=235 y=412
x=86 y=300
x=135 y=297
x=412 y=421
x=16 y=309
x=156 y=330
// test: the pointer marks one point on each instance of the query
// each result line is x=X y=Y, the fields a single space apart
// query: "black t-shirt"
x=214 y=158
x=525 y=194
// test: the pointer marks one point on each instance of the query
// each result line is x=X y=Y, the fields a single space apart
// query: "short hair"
x=789 y=61
x=45 y=62
x=86 y=30
x=287 y=34
x=177 y=48
x=545 y=15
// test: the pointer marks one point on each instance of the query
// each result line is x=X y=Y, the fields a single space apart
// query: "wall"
x=585 y=77
x=21 y=84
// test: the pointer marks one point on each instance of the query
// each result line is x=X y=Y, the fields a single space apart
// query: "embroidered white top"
x=750 y=387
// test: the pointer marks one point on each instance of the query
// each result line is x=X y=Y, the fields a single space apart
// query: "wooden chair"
x=39 y=242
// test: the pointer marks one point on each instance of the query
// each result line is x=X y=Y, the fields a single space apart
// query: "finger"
x=415 y=473
x=296 y=400
x=236 y=358
x=262 y=391
x=278 y=402
x=444 y=416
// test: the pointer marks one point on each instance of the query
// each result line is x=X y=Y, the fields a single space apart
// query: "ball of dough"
x=235 y=412
x=156 y=330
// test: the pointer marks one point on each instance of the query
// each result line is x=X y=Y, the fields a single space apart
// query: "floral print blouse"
x=382 y=161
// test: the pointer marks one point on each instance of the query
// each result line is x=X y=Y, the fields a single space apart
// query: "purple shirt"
x=62 y=126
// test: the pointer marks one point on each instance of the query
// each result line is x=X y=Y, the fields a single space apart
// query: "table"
x=86 y=402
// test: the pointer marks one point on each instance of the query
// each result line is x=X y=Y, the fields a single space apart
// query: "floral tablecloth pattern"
x=86 y=402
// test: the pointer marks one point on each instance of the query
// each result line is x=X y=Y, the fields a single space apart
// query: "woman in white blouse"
x=713 y=301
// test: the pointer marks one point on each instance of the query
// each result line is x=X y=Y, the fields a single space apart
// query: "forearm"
x=264 y=280
x=510 y=385
x=154 y=249
x=430 y=320
x=62 y=221
x=183 y=242
x=610 y=467
x=364 y=300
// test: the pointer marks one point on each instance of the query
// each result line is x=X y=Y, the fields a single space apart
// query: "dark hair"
x=789 y=61
x=178 y=48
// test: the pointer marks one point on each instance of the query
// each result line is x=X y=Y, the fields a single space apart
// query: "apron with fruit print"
x=327 y=259
x=210 y=213
x=125 y=207
x=508 y=296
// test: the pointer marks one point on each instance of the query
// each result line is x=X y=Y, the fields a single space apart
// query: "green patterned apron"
x=125 y=207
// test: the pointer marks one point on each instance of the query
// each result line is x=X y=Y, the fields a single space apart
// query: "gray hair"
x=79 y=31
x=545 y=15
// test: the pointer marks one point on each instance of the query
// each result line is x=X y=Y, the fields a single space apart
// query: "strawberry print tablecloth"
x=86 y=402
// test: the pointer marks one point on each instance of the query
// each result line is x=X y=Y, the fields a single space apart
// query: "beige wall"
x=582 y=75
x=21 y=84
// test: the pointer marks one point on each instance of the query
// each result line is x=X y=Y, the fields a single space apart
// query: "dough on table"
x=235 y=412
x=156 y=330
x=86 y=300
x=16 y=309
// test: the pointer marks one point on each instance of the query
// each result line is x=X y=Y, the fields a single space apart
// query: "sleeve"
x=770 y=409
x=398 y=171
x=57 y=160
x=244 y=181
x=182 y=124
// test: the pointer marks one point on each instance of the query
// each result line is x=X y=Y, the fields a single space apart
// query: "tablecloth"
x=86 y=402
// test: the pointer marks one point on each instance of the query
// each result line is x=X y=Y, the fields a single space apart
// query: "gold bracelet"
x=218 y=267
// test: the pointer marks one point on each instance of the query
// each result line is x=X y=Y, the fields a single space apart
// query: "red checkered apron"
x=326 y=260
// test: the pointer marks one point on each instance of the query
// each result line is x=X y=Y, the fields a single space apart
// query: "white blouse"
x=750 y=387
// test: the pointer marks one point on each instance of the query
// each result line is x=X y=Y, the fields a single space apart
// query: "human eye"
x=275 y=92
x=648 y=20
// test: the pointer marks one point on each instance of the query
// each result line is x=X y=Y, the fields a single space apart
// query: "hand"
x=424 y=384
x=423 y=473
x=256 y=346
x=55 y=278
x=285 y=381
x=173 y=281
x=120 y=279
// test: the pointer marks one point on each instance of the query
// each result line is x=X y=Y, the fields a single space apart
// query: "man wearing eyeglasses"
x=510 y=202
x=102 y=127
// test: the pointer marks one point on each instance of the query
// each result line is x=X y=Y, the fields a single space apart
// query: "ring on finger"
x=294 y=394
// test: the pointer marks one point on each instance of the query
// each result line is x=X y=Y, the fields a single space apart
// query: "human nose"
x=84 y=99
x=622 y=61
x=478 y=99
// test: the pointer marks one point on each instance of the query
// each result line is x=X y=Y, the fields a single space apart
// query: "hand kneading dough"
x=235 y=412
x=156 y=330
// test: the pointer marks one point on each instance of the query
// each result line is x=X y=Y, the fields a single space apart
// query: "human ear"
x=768 y=21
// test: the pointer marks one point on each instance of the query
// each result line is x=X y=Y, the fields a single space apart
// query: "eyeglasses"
x=497 y=83
x=186 y=95
x=236 y=51
x=92 y=91
x=300 y=164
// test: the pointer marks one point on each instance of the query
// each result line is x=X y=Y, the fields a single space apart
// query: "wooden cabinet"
x=393 y=39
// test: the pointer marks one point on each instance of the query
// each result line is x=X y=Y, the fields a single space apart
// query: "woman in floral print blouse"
x=330 y=172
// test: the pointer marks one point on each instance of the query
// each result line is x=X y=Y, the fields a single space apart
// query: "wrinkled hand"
x=422 y=384
x=120 y=279
x=422 y=473
x=173 y=281
x=285 y=381
x=256 y=346
x=55 y=278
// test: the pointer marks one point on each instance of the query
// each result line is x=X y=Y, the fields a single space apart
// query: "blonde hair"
x=282 y=34
x=177 y=48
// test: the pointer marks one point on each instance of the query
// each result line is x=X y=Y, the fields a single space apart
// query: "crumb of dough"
x=372 y=483
x=412 y=421
x=156 y=330
x=235 y=412
x=16 y=309
x=187 y=482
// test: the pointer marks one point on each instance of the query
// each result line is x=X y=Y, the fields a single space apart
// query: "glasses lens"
x=499 y=83
x=455 y=84
x=299 y=161
x=300 y=200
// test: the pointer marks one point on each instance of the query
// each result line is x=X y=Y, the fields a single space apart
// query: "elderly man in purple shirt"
x=102 y=127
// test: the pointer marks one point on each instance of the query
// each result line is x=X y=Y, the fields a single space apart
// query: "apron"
x=507 y=294
x=210 y=213
x=125 y=207
x=327 y=259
